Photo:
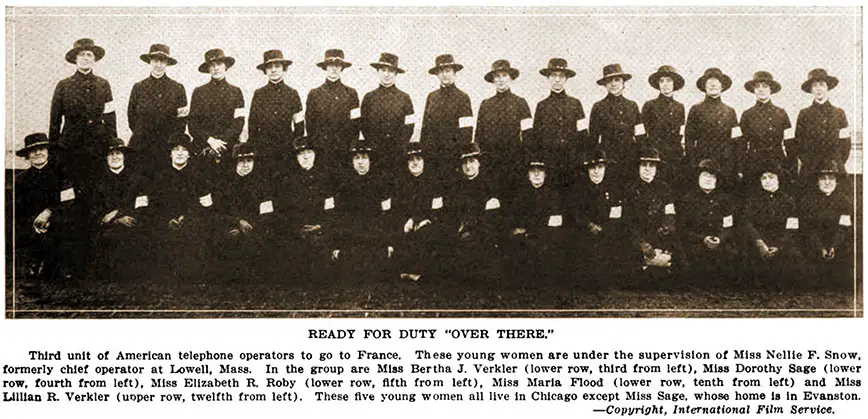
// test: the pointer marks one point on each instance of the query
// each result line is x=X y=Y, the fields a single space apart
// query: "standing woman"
x=82 y=114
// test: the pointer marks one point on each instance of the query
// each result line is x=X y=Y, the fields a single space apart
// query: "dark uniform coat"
x=822 y=133
x=476 y=232
x=332 y=116
x=615 y=126
x=601 y=255
x=363 y=207
x=446 y=127
x=420 y=198
x=559 y=133
x=388 y=121
x=157 y=110
x=503 y=124
x=773 y=218
x=704 y=215
x=763 y=127
x=276 y=118
x=828 y=224
x=119 y=247
x=650 y=216
x=709 y=134
x=82 y=121
x=664 y=125
x=216 y=110
x=539 y=252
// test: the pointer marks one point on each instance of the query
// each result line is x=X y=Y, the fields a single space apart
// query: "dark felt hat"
x=666 y=71
x=361 y=145
x=829 y=166
x=708 y=165
x=595 y=157
x=302 y=143
x=389 y=61
x=334 y=56
x=470 y=150
x=273 y=56
x=182 y=139
x=84 y=44
x=725 y=81
x=611 y=71
x=762 y=77
x=819 y=74
x=159 y=51
x=117 y=144
x=650 y=154
x=444 y=61
x=215 y=55
x=501 y=65
x=32 y=141
x=557 y=64
x=414 y=149
x=243 y=150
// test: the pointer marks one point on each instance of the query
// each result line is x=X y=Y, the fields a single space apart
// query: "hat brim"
x=26 y=150
x=286 y=63
x=567 y=72
x=435 y=70
x=98 y=53
x=596 y=162
x=514 y=73
x=624 y=76
x=476 y=154
x=750 y=85
x=725 y=82
x=378 y=66
x=147 y=58
x=229 y=61
x=831 y=83
x=654 y=79
x=652 y=160
x=324 y=65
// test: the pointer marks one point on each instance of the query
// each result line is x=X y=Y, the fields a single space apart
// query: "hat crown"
x=612 y=69
x=708 y=165
x=649 y=153
x=34 y=138
x=159 y=49
x=360 y=145
x=214 y=54
x=557 y=64
x=242 y=150
x=667 y=69
x=301 y=143
x=763 y=75
x=272 y=54
x=83 y=42
x=388 y=58
x=334 y=54
x=712 y=72
x=413 y=149
x=444 y=59
x=818 y=73
x=594 y=157
x=500 y=65
x=828 y=166
x=470 y=150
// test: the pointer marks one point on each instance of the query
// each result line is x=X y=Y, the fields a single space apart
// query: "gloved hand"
x=764 y=250
x=41 y=222
x=421 y=224
x=711 y=242
x=126 y=221
x=389 y=251
x=594 y=228
x=219 y=146
x=335 y=254
x=664 y=230
x=307 y=228
x=829 y=254
x=245 y=226
x=519 y=231
x=408 y=226
x=647 y=250
x=109 y=217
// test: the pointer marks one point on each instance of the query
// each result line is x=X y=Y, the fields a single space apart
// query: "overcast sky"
x=787 y=42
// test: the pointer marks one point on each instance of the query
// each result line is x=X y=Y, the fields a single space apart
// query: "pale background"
x=786 y=41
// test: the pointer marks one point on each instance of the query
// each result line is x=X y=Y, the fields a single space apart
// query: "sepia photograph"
x=423 y=162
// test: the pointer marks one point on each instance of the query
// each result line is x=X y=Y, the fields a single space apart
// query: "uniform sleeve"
x=481 y=134
x=353 y=126
x=465 y=134
x=409 y=120
x=298 y=121
x=56 y=118
x=311 y=119
x=650 y=122
x=254 y=119
x=594 y=127
x=738 y=145
x=749 y=227
x=233 y=131
x=795 y=147
x=640 y=136
x=426 y=122
x=691 y=134
x=197 y=129
x=844 y=137
x=109 y=119
x=133 y=109
x=365 y=119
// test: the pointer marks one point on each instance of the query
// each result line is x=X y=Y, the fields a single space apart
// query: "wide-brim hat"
x=650 y=154
x=762 y=77
x=470 y=150
x=117 y=144
x=159 y=51
x=182 y=139
x=596 y=157
x=32 y=141
x=770 y=166
x=501 y=65
x=334 y=56
x=829 y=167
x=725 y=81
x=708 y=165
x=243 y=150
x=557 y=64
x=215 y=55
x=302 y=143
x=819 y=74
x=444 y=61
x=666 y=71
x=388 y=60
x=84 y=44
x=273 y=56
x=611 y=71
